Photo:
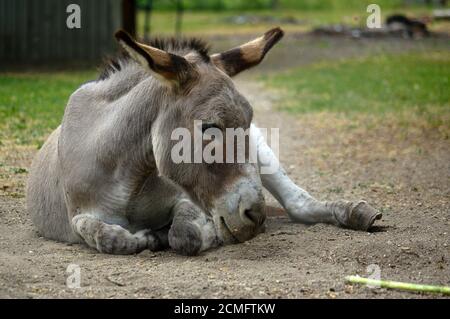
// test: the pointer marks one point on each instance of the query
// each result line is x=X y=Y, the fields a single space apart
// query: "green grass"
x=220 y=5
x=32 y=104
x=338 y=4
x=411 y=83
x=218 y=22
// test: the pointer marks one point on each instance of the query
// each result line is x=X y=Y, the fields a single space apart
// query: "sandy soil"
x=404 y=172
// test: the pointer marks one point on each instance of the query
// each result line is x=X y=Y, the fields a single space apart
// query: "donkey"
x=105 y=176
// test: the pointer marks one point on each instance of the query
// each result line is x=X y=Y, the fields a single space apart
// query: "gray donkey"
x=105 y=176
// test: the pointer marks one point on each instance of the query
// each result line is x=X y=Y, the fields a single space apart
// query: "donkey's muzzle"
x=240 y=213
x=255 y=216
x=242 y=226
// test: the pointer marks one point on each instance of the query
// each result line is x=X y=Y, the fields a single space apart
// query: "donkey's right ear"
x=166 y=66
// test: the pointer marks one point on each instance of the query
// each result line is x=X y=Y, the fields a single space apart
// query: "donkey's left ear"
x=247 y=55
x=164 y=65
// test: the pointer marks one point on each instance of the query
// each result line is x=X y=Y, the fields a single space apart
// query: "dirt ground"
x=403 y=171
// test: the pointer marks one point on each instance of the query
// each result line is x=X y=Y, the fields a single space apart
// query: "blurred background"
x=36 y=31
x=320 y=65
x=329 y=60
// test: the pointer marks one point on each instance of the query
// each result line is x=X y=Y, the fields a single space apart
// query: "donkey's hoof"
x=185 y=239
x=362 y=216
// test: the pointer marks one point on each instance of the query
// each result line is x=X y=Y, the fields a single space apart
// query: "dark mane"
x=112 y=64
x=180 y=46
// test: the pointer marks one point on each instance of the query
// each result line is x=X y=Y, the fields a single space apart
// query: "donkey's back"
x=45 y=197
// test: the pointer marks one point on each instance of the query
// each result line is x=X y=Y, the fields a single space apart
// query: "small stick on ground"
x=398 y=285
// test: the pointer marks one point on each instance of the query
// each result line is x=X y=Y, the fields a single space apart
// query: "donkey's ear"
x=165 y=65
x=247 y=55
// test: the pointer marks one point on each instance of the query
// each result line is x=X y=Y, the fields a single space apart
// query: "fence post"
x=129 y=16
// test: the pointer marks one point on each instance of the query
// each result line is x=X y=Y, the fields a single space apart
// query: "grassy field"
x=219 y=5
x=32 y=104
x=212 y=23
x=404 y=85
x=407 y=86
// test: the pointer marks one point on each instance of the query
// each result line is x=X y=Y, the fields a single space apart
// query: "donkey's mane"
x=180 y=46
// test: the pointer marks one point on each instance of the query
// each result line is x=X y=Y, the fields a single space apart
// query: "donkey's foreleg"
x=192 y=231
x=112 y=239
x=299 y=204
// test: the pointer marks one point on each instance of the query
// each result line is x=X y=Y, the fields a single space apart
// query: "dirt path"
x=403 y=172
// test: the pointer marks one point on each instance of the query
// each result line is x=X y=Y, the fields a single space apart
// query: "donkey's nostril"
x=255 y=216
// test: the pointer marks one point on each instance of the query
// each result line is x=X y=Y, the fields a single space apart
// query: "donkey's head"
x=197 y=87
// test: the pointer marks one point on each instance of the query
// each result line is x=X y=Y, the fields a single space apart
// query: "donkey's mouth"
x=227 y=233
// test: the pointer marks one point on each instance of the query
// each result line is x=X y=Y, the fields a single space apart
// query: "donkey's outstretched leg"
x=301 y=206
x=113 y=239
x=192 y=231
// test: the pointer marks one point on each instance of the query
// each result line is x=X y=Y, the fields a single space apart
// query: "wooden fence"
x=35 y=31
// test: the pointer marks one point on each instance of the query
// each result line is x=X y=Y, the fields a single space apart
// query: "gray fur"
x=105 y=176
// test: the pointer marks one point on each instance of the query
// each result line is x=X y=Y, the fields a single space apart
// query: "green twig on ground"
x=398 y=285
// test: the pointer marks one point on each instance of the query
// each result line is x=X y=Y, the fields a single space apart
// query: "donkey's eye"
x=206 y=126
